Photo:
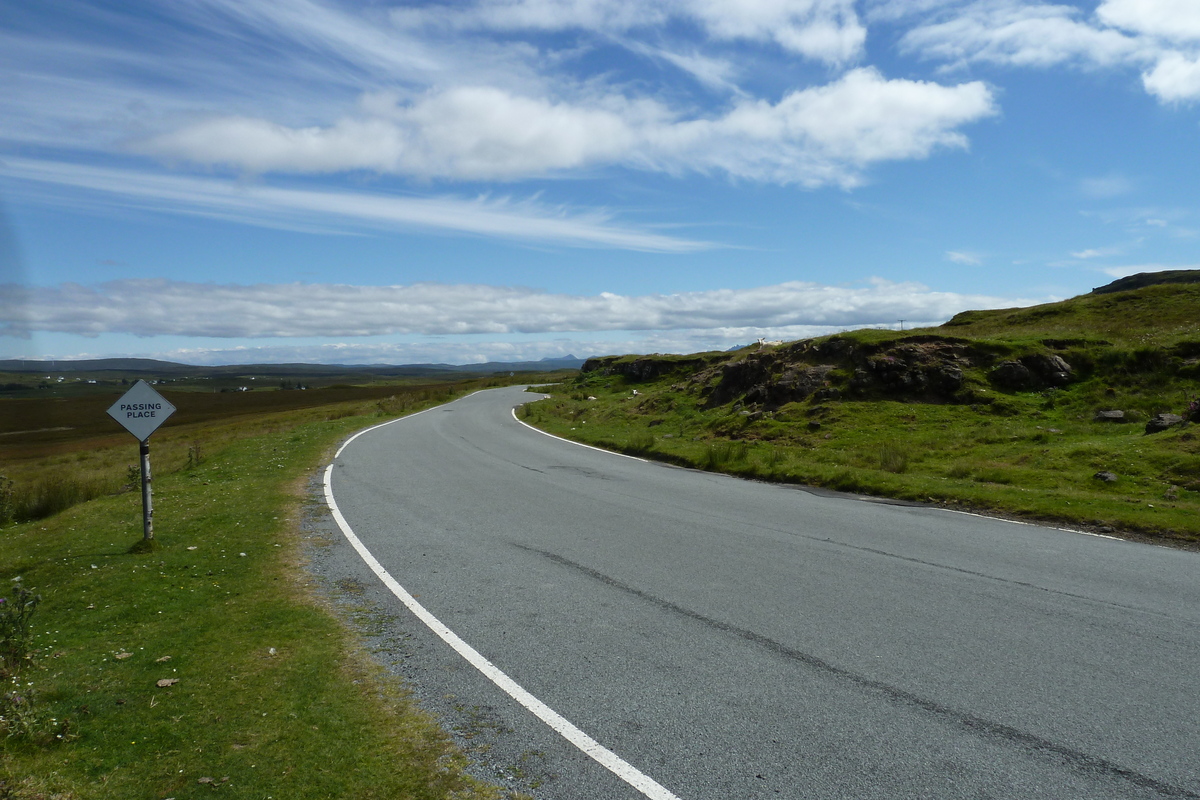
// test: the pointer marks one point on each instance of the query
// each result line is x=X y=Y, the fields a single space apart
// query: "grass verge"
x=1035 y=455
x=206 y=666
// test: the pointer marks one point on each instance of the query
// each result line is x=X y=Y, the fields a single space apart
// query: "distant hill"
x=149 y=366
x=1143 y=279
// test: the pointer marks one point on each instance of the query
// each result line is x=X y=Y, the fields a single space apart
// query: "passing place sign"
x=141 y=410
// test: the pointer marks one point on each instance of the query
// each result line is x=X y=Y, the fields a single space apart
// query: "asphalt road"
x=733 y=639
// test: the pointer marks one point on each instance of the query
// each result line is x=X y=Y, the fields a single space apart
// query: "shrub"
x=15 y=613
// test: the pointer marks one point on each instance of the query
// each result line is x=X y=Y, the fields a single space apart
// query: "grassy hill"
x=998 y=411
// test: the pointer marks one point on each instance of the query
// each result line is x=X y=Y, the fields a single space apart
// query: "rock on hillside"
x=927 y=368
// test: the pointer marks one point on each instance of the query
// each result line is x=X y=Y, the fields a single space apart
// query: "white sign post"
x=140 y=411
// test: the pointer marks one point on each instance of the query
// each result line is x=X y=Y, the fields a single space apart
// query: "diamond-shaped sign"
x=141 y=410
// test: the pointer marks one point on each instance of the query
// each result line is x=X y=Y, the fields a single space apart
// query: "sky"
x=242 y=181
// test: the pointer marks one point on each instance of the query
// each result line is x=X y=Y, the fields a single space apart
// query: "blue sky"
x=232 y=181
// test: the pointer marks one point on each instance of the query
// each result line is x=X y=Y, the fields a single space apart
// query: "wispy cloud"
x=965 y=258
x=1161 y=38
x=825 y=30
x=178 y=308
x=1106 y=187
x=330 y=210
x=1096 y=252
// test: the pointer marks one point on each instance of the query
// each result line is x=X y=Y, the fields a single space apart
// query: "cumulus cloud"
x=1175 y=78
x=1177 y=20
x=178 y=308
x=817 y=136
x=330 y=211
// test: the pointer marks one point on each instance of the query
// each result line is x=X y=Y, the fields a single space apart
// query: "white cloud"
x=826 y=30
x=1020 y=34
x=1175 y=78
x=818 y=136
x=1096 y=252
x=960 y=257
x=177 y=308
x=336 y=211
x=1177 y=20
x=1159 y=37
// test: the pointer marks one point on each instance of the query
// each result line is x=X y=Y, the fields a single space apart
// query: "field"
x=209 y=664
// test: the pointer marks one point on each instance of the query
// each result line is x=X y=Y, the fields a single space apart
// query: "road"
x=734 y=639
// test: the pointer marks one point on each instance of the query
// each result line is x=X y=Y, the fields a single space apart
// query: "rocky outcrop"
x=926 y=368
x=1039 y=371
x=1162 y=422
x=644 y=368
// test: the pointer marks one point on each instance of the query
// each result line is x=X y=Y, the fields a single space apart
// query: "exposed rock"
x=1162 y=421
x=1013 y=375
x=1050 y=368
x=1107 y=477
x=1109 y=416
x=645 y=368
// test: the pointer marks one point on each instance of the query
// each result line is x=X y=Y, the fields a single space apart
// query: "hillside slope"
x=1042 y=412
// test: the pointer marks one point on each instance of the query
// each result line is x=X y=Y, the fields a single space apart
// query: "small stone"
x=165 y=682
x=161 y=660
x=206 y=780
x=1109 y=416
x=123 y=655
x=1107 y=477
x=192 y=547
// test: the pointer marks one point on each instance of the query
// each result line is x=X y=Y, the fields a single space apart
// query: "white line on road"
x=571 y=441
x=605 y=757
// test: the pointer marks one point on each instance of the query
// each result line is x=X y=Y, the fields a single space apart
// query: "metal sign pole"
x=140 y=411
x=147 y=501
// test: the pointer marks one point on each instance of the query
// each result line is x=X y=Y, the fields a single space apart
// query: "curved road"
x=732 y=639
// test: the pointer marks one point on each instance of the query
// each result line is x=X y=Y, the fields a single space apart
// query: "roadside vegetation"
x=208 y=665
x=995 y=411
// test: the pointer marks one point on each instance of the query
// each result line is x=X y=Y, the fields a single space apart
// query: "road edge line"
x=580 y=444
x=598 y=752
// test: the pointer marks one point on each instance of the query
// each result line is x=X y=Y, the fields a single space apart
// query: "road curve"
x=733 y=639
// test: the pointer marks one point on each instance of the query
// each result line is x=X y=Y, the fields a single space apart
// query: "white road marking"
x=939 y=508
x=605 y=757
x=581 y=444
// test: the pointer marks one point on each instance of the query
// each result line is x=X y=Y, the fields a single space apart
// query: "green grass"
x=274 y=698
x=1032 y=455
